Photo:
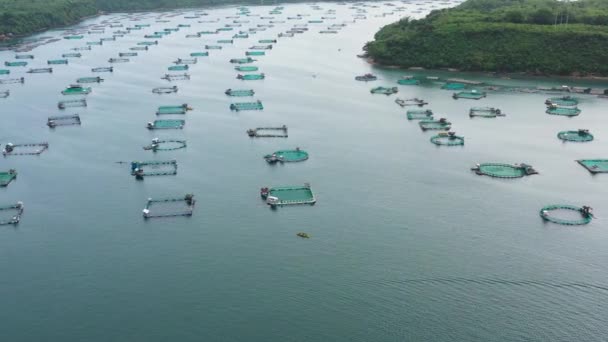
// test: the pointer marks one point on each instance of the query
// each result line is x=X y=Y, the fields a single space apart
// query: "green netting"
x=239 y=92
x=454 y=86
x=247 y=106
x=4 y=71
x=181 y=109
x=562 y=101
x=76 y=90
x=199 y=54
x=582 y=135
x=72 y=103
x=384 y=90
x=167 y=124
x=72 y=55
x=288 y=195
x=408 y=81
x=447 y=139
x=500 y=170
x=165 y=145
x=7 y=177
x=15 y=64
x=441 y=124
x=11 y=214
x=255 y=53
x=89 y=80
x=595 y=165
x=153 y=168
x=471 y=95
x=485 y=112
x=169 y=207
x=246 y=68
x=296 y=155
x=242 y=60
x=563 y=111
x=420 y=114
x=567 y=214
x=251 y=77
x=178 y=67
x=57 y=61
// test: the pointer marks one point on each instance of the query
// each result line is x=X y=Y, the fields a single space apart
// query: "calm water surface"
x=407 y=244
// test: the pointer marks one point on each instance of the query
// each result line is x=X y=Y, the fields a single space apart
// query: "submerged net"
x=165 y=90
x=499 y=170
x=566 y=214
x=242 y=60
x=169 y=207
x=64 y=120
x=12 y=80
x=582 y=135
x=213 y=47
x=89 y=80
x=595 y=165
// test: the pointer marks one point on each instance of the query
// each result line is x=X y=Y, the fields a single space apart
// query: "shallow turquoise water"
x=407 y=244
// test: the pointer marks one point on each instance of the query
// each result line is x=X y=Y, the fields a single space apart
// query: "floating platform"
x=103 y=69
x=420 y=114
x=72 y=103
x=178 y=68
x=141 y=169
x=447 y=139
x=176 y=77
x=40 y=71
x=594 y=165
x=251 y=77
x=268 y=132
x=24 y=149
x=485 y=112
x=581 y=135
x=166 y=124
x=199 y=54
x=15 y=64
x=411 y=102
x=239 y=92
x=165 y=90
x=169 y=207
x=242 y=60
x=181 y=109
x=96 y=79
x=499 y=170
x=564 y=101
x=7 y=177
x=72 y=55
x=77 y=90
x=470 y=95
x=20 y=80
x=118 y=60
x=247 y=106
x=441 y=124
x=385 y=90
x=165 y=145
x=563 y=111
x=288 y=195
x=14 y=211
x=255 y=53
x=63 y=120
x=57 y=61
x=562 y=213
x=286 y=156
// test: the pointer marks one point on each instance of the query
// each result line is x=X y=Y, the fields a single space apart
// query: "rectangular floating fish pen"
x=470 y=95
x=24 y=56
x=103 y=69
x=139 y=48
x=199 y=54
x=169 y=207
x=485 y=112
x=213 y=47
x=89 y=80
x=441 y=124
x=420 y=114
x=268 y=132
x=238 y=106
x=12 y=80
x=180 y=109
x=178 y=68
x=594 y=165
x=176 y=77
x=255 y=53
x=261 y=47
x=4 y=72
x=139 y=169
x=72 y=55
x=127 y=54
x=225 y=41
x=11 y=214
x=242 y=60
x=72 y=103
x=118 y=60
x=34 y=149
x=7 y=177
x=166 y=124
x=63 y=120
x=186 y=61
x=251 y=77
x=40 y=71
x=15 y=64
x=246 y=68
x=288 y=195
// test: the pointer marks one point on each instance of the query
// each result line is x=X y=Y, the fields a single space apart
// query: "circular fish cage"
x=165 y=145
x=563 y=111
x=296 y=155
x=562 y=101
x=499 y=170
x=582 y=135
x=568 y=215
x=447 y=139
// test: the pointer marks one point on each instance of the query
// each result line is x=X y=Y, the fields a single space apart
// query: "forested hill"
x=535 y=36
x=21 y=17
